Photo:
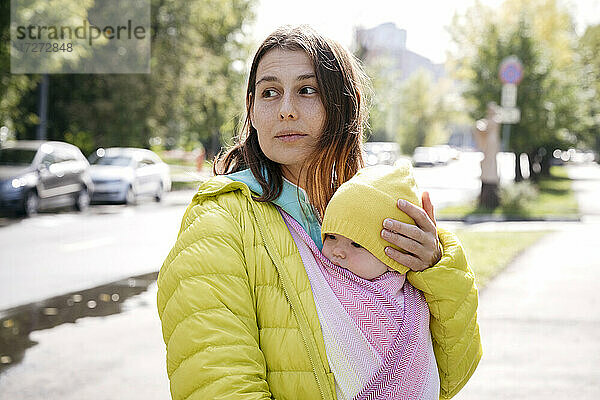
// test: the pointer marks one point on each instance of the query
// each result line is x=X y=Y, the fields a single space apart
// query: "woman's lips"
x=290 y=137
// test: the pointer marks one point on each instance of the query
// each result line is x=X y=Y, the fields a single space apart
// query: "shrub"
x=515 y=197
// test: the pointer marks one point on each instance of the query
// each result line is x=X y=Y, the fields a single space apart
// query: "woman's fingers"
x=420 y=241
x=404 y=229
x=408 y=260
x=406 y=243
x=418 y=215
x=428 y=207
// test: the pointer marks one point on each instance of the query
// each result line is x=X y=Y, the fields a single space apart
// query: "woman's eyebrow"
x=272 y=78
x=305 y=76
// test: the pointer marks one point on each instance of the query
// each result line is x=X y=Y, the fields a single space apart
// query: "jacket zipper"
x=294 y=306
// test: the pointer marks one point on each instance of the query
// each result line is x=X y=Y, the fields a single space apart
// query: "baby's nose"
x=339 y=252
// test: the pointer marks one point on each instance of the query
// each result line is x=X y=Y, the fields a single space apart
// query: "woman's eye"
x=358 y=246
x=308 y=90
x=329 y=236
x=269 y=93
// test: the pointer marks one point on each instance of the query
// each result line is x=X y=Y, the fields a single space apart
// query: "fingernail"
x=401 y=203
x=385 y=234
x=387 y=223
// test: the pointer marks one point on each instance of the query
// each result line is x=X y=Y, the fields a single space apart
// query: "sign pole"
x=511 y=74
x=505 y=136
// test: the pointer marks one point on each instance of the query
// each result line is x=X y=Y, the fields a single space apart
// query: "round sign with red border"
x=511 y=70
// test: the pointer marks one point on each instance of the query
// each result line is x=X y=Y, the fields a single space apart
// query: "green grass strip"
x=488 y=253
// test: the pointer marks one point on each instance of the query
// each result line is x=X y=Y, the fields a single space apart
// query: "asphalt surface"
x=57 y=253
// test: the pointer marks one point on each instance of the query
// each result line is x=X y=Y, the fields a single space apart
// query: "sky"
x=424 y=20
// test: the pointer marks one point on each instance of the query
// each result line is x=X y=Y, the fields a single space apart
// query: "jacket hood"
x=221 y=184
x=292 y=202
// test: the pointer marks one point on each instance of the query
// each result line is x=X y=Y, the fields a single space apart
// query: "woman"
x=236 y=305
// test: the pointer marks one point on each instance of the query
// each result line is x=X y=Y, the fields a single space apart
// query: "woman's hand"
x=420 y=241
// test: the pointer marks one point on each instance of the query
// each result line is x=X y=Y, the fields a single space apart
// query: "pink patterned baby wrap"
x=376 y=332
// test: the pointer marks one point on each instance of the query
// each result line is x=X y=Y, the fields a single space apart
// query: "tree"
x=548 y=94
x=424 y=112
x=589 y=51
x=386 y=89
x=12 y=87
x=192 y=95
x=199 y=93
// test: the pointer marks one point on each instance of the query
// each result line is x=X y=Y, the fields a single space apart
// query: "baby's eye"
x=308 y=90
x=269 y=93
x=358 y=246
x=329 y=236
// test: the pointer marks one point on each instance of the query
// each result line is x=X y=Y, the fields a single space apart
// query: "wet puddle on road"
x=17 y=323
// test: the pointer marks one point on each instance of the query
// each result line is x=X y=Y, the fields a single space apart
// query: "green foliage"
x=414 y=112
x=84 y=140
x=12 y=87
x=423 y=112
x=541 y=35
x=516 y=197
x=384 y=99
x=190 y=98
x=589 y=51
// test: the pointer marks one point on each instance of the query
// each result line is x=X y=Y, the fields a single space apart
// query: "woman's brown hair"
x=338 y=153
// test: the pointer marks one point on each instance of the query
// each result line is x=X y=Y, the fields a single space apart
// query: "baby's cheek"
x=326 y=249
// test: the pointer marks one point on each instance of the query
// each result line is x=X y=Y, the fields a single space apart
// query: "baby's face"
x=347 y=254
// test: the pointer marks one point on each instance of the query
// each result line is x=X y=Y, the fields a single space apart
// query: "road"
x=54 y=254
x=454 y=183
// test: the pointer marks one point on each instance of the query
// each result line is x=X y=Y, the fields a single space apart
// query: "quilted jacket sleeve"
x=450 y=290
x=206 y=307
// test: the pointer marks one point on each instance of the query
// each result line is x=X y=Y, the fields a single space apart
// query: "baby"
x=390 y=314
x=354 y=217
x=350 y=255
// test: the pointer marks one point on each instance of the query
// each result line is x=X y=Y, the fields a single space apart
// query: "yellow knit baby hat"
x=359 y=206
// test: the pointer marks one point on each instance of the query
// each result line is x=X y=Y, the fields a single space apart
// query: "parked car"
x=386 y=153
x=425 y=156
x=436 y=155
x=38 y=175
x=123 y=174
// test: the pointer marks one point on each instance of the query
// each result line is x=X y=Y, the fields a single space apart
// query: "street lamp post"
x=43 y=108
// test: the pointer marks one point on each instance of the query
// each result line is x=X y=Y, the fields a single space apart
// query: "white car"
x=123 y=174
x=425 y=156
x=386 y=153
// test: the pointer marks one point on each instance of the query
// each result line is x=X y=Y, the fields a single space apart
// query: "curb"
x=475 y=219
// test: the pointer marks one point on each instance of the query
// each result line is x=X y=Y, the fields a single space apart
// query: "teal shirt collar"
x=292 y=200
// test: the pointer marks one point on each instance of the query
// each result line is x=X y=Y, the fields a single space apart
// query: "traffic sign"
x=511 y=70
x=510 y=115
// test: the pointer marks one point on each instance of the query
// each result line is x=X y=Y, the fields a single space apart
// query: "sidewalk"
x=540 y=318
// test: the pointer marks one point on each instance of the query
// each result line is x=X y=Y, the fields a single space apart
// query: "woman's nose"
x=287 y=110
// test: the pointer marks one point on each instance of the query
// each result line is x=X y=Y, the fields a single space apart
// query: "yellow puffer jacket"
x=238 y=315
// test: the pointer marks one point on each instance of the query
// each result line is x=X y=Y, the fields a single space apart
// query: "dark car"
x=38 y=175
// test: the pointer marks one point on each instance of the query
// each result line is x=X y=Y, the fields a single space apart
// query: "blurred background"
x=495 y=103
